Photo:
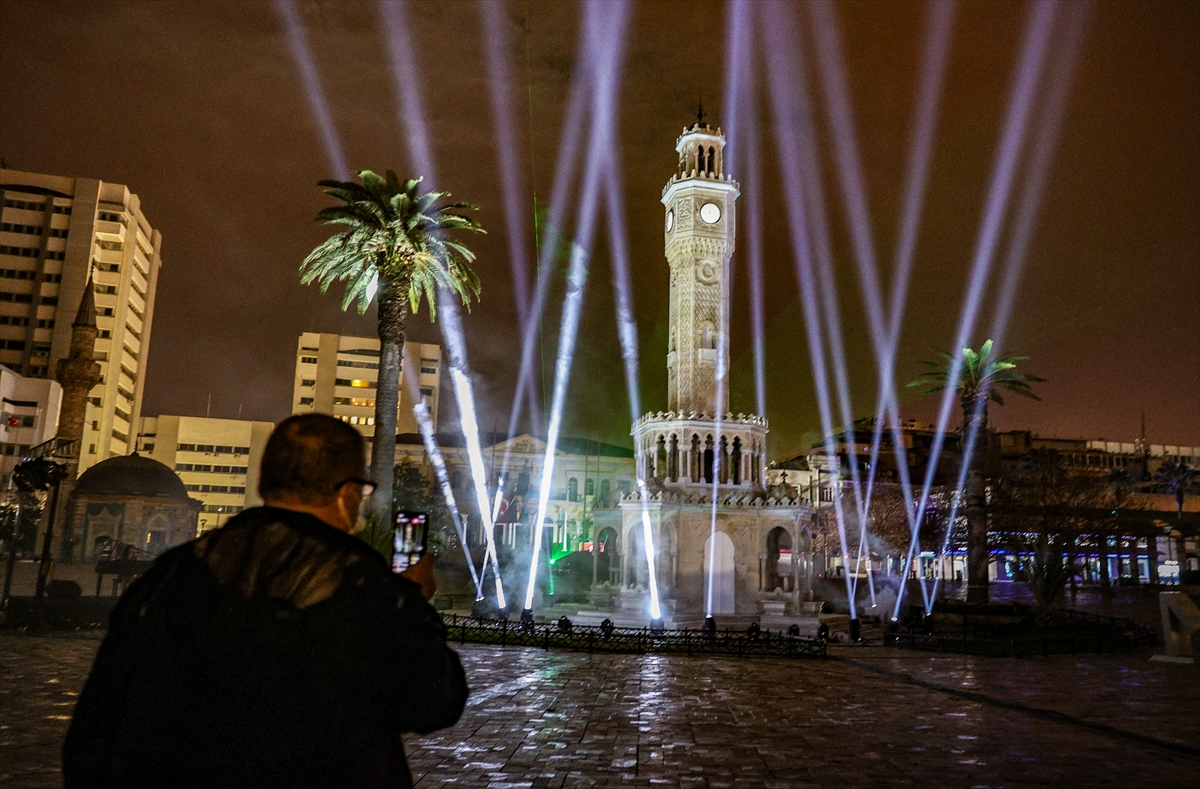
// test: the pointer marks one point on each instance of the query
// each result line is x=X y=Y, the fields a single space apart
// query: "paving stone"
x=864 y=717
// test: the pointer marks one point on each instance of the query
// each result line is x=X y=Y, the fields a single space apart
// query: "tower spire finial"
x=700 y=111
x=86 y=314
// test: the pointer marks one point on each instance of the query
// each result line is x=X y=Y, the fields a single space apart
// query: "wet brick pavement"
x=864 y=717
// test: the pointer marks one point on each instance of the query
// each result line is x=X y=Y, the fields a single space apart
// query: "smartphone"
x=410 y=539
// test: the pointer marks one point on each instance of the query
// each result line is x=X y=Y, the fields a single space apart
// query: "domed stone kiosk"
x=129 y=501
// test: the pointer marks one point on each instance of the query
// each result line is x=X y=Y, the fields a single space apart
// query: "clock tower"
x=693 y=442
x=720 y=539
x=699 y=236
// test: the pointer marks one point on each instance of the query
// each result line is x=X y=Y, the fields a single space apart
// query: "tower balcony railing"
x=731 y=419
x=701 y=175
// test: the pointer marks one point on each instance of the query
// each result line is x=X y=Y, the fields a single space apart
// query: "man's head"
x=315 y=463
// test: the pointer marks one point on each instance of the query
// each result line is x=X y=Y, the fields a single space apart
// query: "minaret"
x=78 y=374
x=699 y=235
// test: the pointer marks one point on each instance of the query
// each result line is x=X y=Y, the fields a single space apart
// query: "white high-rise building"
x=217 y=459
x=28 y=415
x=55 y=231
x=338 y=374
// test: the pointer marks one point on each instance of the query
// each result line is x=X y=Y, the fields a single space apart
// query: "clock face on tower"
x=670 y=220
x=710 y=213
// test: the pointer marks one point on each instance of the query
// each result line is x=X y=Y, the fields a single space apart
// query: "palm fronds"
x=391 y=233
x=979 y=373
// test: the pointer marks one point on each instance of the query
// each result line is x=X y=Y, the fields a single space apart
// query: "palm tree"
x=981 y=377
x=1120 y=483
x=980 y=380
x=1179 y=478
x=396 y=242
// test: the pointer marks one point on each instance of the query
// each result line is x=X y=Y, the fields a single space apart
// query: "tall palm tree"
x=982 y=376
x=396 y=242
x=1179 y=478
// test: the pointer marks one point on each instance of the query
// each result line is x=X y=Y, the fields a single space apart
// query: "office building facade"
x=339 y=374
x=55 y=231
x=217 y=459
x=29 y=410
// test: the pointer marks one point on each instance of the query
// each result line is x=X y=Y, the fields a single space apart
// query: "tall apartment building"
x=338 y=374
x=28 y=416
x=217 y=459
x=55 y=231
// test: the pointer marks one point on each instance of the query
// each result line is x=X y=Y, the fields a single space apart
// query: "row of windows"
x=16 y=273
x=30 y=205
x=357 y=383
x=210 y=448
x=230 y=508
x=30 y=252
x=13 y=320
x=240 y=490
x=32 y=230
x=362 y=365
x=213 y=469
x=21 y=421
x=589 y=488
x=429 y=370
x=358 y=401
x=109 y=216
x=13 y=345
x=358 y=420
x=113 y=246
x=19 y=298
x=308 y=360
x=14 y=449
x=13 y=227
x=117 y=434
x=426 y=391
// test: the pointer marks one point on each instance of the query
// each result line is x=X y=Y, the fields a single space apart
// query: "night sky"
x=199 y=108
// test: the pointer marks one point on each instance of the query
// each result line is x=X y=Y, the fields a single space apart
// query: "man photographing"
x=278 y=650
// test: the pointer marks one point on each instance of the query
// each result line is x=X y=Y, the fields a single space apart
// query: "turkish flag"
x=14 y=421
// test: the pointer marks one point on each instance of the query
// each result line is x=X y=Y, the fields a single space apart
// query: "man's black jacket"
x=276 y=651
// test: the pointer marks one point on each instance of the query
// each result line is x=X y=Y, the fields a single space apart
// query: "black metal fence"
x=589 y=638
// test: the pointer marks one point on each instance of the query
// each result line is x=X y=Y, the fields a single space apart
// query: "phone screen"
x=410 y=537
